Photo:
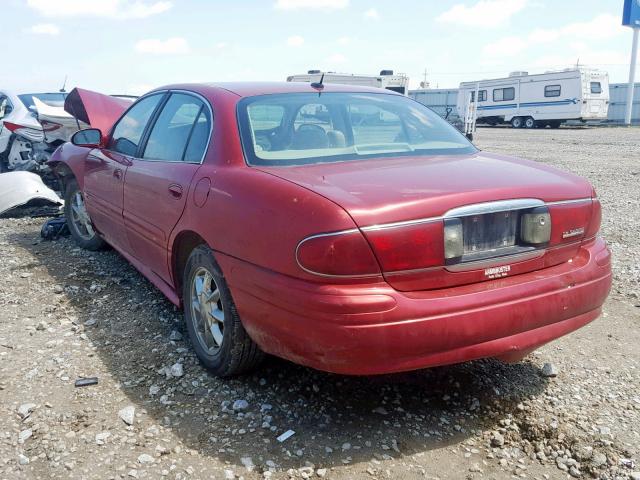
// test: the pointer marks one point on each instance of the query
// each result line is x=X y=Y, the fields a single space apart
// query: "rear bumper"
x=374 y=329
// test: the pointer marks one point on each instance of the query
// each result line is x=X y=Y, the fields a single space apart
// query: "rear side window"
x=180 y=118
x=596 y=87
x=504 y=94
x=128 y=132
x=552 y=91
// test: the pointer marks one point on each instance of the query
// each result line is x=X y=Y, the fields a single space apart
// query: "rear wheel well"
x=183 y=245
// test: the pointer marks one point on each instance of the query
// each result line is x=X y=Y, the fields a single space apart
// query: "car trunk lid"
x=421 y=193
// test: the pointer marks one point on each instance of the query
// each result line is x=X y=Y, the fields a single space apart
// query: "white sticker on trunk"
x=497 y=272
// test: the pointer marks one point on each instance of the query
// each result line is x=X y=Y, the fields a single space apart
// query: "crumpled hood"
x=405 y=188
x=95 y=109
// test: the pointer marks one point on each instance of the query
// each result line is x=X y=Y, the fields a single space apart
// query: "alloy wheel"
x=80 y=217
x=207 y=311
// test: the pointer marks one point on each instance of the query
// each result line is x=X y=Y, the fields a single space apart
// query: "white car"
x=32 y=125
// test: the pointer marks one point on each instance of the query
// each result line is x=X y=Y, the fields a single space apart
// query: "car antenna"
x=319 y=85
x=64 y=84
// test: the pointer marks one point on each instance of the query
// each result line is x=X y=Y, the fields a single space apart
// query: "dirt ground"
x=67 y=313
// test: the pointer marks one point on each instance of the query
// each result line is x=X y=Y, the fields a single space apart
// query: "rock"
x=380 y=411
x=25 y=409
x=549 y=370
x=574 y=472
x=321 y=472
x=127 y=414
x=229 y=475
x=497 y=440
x=634 y=475
x=598 y=459
x=346 y=446
x=42 y=325
x=176 y=370
x=24 y=435
x=583 y=452
x=91 y=322
x=23 y=459
x=248 y=463
x=154 y=389
x=175 y=336
x=133 y=473
x=239 y=405
x=102 y=437
x=58 y=289
x=145 y=458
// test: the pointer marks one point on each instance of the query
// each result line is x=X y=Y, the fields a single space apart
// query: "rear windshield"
x=595 y=87
x=51 y=99
x=305 y=128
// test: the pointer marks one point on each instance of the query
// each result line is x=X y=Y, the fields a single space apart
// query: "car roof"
x=249 y=89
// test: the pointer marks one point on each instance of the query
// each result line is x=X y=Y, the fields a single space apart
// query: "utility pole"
x=632 y=76
x=631 y=18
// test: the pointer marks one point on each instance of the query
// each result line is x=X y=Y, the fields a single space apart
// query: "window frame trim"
x=166 y=93
x=554 y=85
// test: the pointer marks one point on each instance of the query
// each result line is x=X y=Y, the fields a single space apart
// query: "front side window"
x=304 y=128
x=504 y=94
x=552 y=91
x=128 y=132
x=482 y=95
x=180 y=123
x=596 y=87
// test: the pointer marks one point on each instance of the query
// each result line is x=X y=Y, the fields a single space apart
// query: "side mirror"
x=90 y=137
x=8 y=109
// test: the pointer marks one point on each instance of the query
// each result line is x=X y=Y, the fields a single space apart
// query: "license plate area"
x=490 y=235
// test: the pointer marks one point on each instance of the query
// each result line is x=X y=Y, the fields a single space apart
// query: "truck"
x=387 y=79
x=538 y=100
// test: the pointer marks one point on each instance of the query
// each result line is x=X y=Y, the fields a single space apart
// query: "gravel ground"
x=155 y=413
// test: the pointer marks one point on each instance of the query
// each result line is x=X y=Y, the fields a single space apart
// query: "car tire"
x=78 y=220
x=214 y=326
x=516 y=122
x=529 y=122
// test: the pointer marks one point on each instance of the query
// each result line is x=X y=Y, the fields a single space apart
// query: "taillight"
x=344 y=253
x=535 y=226
x=595 y=221
x=408 y=247
x=29 y=133
x=12 y=126
x=569 y=221
x=50 y=126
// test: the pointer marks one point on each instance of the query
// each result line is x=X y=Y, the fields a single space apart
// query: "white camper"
x=387 y=79
x=540 y=100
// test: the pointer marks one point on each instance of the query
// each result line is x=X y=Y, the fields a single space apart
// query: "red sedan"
x=348 y=229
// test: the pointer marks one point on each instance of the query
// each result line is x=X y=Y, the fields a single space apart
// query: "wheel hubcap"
x=207 y=311
x=80 y=217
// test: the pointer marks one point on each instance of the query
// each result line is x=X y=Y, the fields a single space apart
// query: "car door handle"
x=117 y=173
x=175 y=190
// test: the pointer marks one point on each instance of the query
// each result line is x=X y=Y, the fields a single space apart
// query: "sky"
x=132 y=46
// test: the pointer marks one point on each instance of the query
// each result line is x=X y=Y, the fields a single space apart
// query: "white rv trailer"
x=546 y=99
x=387 y=79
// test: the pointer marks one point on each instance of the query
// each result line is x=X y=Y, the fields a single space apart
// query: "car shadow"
x=337 y=419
